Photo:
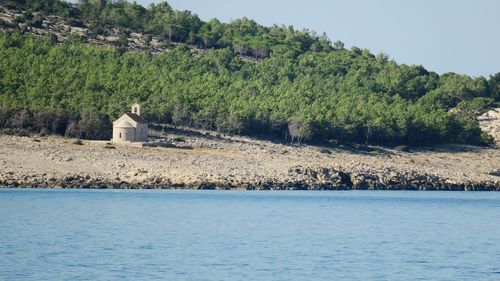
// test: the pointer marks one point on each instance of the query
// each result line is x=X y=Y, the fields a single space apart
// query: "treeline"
x=243 y=35
x=337 y=96
x=44 y=121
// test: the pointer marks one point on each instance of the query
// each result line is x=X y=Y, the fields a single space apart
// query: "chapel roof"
x=136 y=118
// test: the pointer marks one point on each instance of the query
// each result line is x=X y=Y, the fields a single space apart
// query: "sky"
x=461 y=36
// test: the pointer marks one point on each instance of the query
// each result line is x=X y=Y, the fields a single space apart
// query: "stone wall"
x=142 y=132
x=127 y=134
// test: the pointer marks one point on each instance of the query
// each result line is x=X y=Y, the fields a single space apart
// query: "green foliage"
x=244 y=35
x=494 y=87
x=301 y=88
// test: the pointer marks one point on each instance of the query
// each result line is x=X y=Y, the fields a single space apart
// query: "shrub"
x=15 y=132
x=325 y=150
x=38 y=23
x=179 y=139
x=5 y=24
x=75 y=22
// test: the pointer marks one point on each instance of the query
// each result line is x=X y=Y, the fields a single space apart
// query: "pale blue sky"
x=460 y=36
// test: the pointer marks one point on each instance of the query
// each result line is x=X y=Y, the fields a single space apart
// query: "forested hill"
x=71 y=68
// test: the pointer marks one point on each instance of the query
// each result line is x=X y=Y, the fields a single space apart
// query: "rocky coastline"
x=206 y=160
x=309 y=179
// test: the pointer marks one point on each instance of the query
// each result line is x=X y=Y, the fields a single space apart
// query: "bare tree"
x=94 y=126
x=44 y=120
x=181 y=116
x=21 y=119
x=4 y=116
x=299 y=130
x=72 y=130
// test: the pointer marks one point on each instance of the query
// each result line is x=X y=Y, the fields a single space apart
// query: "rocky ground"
x=11 y=20
x=206 y=160
x=490 y=123
x=63 y=31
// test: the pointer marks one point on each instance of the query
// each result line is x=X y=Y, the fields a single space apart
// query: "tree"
x=4 y=116
x=494 y=86
x=210 y=33
x=72 y=130
x=339 y=45
x=21 y=119
x=181 y=116
x=297 y=85
x=93 y=126
x=383 y=57
x=299 y=130
x=45 y=120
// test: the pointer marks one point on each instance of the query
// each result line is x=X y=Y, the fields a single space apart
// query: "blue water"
x=245 y=235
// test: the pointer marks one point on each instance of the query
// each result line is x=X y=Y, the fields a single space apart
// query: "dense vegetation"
x=244 y=36
x=303 y=87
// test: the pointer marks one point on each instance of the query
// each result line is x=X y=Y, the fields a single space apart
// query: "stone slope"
x=490 y=123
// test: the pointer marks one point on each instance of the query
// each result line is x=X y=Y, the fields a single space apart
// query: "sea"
x=248 y=235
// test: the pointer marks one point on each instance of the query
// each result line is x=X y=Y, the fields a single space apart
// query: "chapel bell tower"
x=136 y=108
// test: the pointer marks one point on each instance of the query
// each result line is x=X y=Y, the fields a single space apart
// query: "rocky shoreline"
x=310 y=179
x=206 y=160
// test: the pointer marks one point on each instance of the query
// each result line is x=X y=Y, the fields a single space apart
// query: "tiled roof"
x=136 y=118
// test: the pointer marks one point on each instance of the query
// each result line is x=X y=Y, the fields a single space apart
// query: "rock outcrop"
x=299 y=179
x=490 y=123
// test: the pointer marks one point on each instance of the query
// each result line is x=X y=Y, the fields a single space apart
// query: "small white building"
x=130 y=127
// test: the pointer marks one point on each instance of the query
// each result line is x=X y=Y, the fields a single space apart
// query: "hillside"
x=70 y=69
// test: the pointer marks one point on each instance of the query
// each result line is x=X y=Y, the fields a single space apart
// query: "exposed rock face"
x=325 y=178
x=11 y=179
x=299 y=179
x=490 y=123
